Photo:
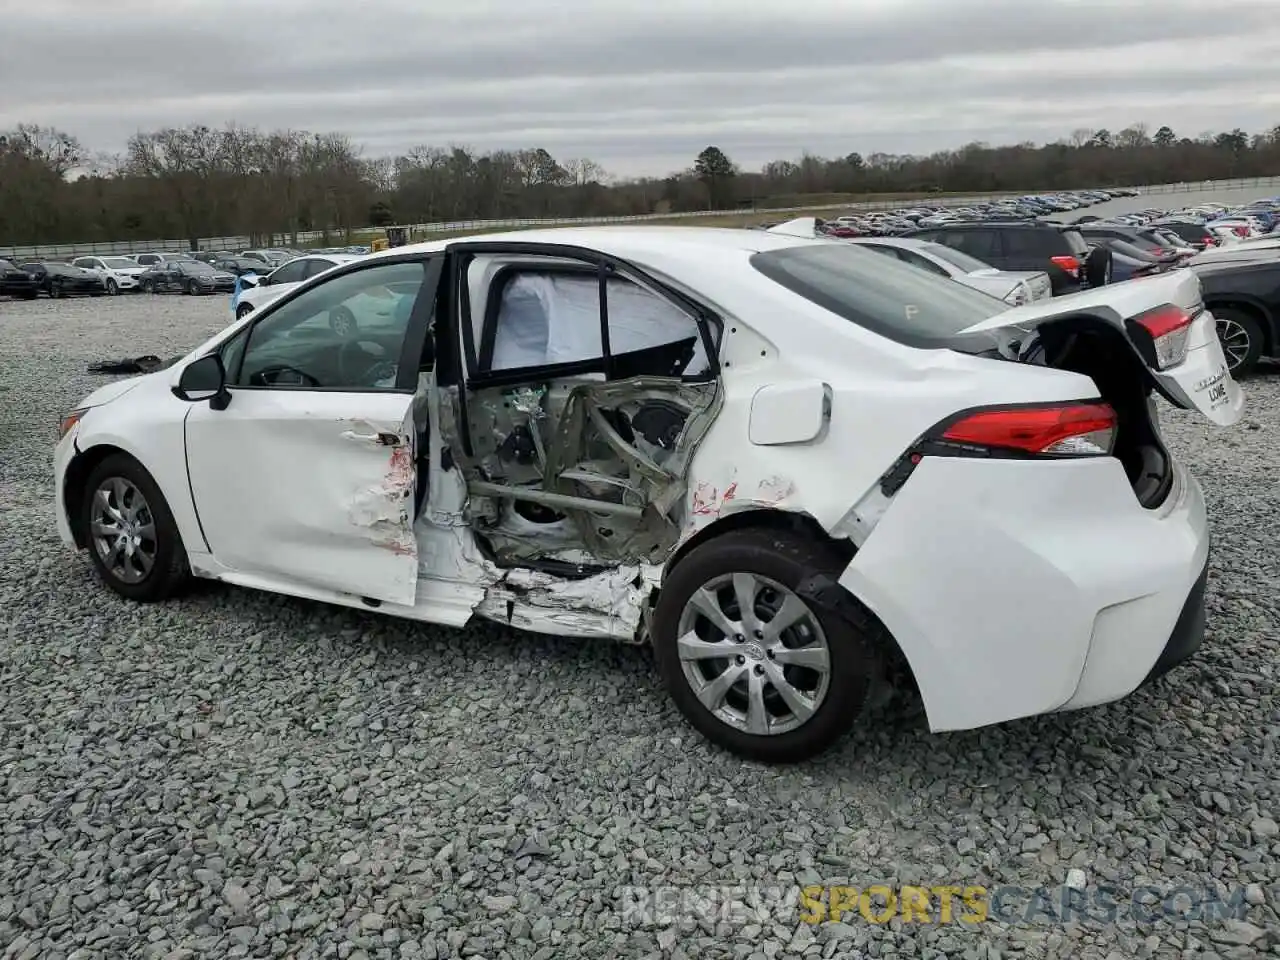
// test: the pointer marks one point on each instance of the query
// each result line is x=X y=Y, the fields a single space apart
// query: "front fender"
x=159 y=446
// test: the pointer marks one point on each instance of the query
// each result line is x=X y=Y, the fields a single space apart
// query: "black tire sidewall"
x=788 y=559
x=170 y=567
x=1253 y=328
x=113 y=288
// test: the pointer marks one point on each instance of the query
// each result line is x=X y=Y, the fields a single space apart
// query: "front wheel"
x=113 y=288
x=1241 y=337
x=193 y=289
x=132 y=537
x=146 y=287
x=55 y=291
x=243 y=310
x=756 y=666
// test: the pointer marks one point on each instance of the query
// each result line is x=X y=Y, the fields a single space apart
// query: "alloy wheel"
x=1235 y=342
x=754 y=654
x=122 y=529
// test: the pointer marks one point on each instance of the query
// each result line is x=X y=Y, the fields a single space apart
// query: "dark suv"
x=1059 y=251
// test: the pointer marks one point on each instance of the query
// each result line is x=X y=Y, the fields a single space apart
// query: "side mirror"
x=204 y=379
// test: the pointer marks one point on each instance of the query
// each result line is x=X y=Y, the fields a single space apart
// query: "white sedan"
x=775 y=459
x=1016 y=287
x=118 y=273
x=1013 y=287
x=256 y=291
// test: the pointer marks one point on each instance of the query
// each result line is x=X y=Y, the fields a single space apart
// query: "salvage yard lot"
x=243 y=774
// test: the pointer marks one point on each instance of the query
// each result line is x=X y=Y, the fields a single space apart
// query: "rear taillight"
x=1240 y=231
x=1055 y=430
x=1067 y=263
x=1161 y=335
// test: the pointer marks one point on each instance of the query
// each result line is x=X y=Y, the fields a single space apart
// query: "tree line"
x=199 y=181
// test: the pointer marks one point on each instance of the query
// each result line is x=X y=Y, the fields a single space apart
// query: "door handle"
x=382 y=438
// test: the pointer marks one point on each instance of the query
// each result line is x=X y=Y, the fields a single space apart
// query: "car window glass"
x=880 y=248
x=913 y=258
x=958 y=258
x=290 y=273
x=313 y=267
x=983 y=244
x=1074 y=240
x=345 y=333
x=548 y=317
x=892 y=299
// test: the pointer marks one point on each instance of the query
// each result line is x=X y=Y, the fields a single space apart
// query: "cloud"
x=641 y=88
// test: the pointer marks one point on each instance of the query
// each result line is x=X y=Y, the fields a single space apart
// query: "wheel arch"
x=76 y=476
x=826 y=592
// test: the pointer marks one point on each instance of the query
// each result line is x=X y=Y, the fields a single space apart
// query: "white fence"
x=60 y=250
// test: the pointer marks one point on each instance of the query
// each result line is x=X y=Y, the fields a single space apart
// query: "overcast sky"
x=641 y=86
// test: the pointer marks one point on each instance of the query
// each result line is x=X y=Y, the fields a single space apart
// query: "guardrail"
x=59 y=250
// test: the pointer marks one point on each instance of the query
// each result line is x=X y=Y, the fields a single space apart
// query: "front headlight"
x=69 y=420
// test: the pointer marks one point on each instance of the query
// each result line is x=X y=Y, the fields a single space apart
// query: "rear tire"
x=243 y=310
x=1241 y=337
x=832 y=694
x=120 y=487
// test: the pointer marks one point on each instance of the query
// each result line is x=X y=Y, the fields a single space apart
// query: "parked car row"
x=903 y=220
x=1235 y=252
x=196 y=273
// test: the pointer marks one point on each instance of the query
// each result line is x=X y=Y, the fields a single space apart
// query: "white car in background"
x=118 y=273
x=1014 y=287
x=260 y=290
x=794 y=467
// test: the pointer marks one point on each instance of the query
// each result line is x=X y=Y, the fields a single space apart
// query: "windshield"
x=118 y=263
x=893 y=299
x=957 y=258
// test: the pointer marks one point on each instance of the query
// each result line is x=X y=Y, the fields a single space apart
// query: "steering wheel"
x=282 y=375
x=365 y=362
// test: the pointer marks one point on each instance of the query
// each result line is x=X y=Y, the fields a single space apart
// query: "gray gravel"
x=238 y=774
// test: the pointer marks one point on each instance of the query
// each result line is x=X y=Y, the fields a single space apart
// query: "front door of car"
x=574 y=393
x=304 y=471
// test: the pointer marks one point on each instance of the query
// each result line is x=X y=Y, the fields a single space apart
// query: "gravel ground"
x=239 y=774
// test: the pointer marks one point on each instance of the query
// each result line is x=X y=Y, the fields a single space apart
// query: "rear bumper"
x=1188 y=632
x=1020 y=588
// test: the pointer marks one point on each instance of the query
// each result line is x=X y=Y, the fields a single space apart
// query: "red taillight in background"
x=1240 y=231
x=1067 y=263
x=1059 y=429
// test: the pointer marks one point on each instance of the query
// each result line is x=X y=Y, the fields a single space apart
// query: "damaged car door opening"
x=740 y=448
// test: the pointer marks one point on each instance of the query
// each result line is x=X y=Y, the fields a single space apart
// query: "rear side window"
x=1075 y=241
x=888 y=297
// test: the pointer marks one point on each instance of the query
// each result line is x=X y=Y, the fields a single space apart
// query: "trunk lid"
x=1198 y=381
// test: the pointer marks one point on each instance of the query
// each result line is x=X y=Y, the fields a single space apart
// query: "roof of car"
x=627 y=241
